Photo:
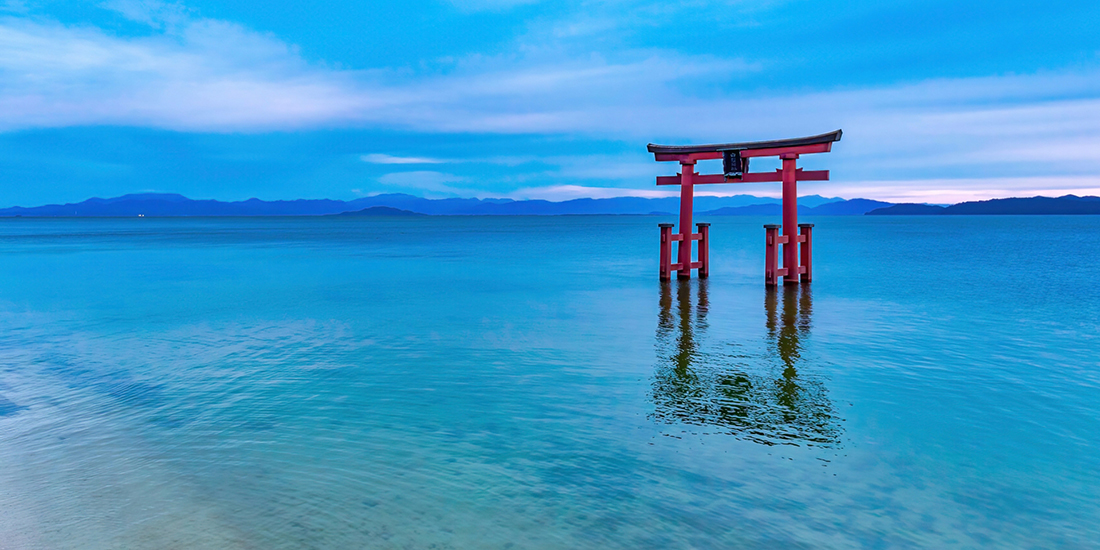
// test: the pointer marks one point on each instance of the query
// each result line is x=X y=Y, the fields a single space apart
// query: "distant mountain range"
x=379 y=211
x=171 y=205
x=164 y=205
x=854 y=207
x=1068 y=204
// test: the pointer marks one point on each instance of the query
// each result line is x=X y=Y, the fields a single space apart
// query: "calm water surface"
x=468 y=382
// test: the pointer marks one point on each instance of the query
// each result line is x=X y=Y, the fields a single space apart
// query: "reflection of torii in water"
x=727 y=393
x=795 y=323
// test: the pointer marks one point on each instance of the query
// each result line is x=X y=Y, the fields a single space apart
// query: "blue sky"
x=940 y=101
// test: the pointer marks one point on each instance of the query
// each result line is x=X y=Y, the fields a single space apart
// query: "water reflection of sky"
x=762 y=399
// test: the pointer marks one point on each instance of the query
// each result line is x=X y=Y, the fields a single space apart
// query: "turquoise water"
x=453 y=382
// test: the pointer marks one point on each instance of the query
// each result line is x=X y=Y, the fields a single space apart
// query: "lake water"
x=527 y=382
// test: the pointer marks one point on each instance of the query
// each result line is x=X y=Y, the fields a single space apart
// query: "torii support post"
x=704 y=250
x=735 y=156
x=666 y=251
x=806 y=234
x=772 y=240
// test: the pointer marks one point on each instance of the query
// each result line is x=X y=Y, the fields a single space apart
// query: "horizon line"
x=511 y=199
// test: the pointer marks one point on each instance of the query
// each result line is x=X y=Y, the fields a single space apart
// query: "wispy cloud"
x=936 y=191
x=490 y=5
x=155 y=13
x=949 y=191
x=570 y=192
x=964 y=136
x=380 y=158
x=208 y=75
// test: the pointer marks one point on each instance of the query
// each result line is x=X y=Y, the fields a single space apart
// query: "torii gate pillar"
x=796 y=238
x=790 y=218
x=687 y=182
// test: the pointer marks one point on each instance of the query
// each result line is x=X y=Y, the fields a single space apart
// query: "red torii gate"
x=735 y=157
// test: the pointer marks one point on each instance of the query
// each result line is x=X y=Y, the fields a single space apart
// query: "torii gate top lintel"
x=735 y=157
x=821 y=143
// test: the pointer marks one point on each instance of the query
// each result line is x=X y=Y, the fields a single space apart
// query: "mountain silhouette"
x=1067 y=204
x=172 y=205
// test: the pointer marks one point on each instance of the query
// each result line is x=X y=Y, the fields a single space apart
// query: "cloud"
x=209 y=76
x=609 y=168
x=935 y=191
x=379 y=158
x=190 y=74
x=950 y=191
x=489 y=5
x=570 y=192
x=154 y=13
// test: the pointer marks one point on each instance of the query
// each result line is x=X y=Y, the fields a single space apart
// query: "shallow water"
x=468 y=382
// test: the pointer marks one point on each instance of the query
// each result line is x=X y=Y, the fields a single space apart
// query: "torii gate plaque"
x=735 y=157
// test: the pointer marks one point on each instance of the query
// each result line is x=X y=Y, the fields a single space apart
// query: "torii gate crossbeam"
x=796 y=267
